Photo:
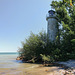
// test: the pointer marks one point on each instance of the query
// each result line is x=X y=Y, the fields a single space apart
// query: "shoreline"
x=19 y=68
x=65 y=68
x=37 y=69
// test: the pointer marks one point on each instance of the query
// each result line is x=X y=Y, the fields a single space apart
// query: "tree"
x=66 y=14
x=34 y=46
x=38 y=47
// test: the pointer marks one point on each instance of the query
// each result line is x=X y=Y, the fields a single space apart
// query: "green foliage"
x=73 y=44
x=34 y=46
x=47 y=58
x=38 y=47
x=66 y=14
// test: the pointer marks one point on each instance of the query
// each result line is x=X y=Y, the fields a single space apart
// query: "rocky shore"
x=69 y=68
x=63 y=72
x=64 y=68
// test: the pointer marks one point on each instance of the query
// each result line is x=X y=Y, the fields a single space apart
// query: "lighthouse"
x=52 y=23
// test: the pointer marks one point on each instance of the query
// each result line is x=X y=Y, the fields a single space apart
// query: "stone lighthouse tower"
x=52 y=25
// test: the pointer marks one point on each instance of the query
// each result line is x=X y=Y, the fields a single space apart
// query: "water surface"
x=8 y=63
x=10 y=66
x=7 y=59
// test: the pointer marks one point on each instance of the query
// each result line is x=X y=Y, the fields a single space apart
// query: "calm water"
x=8 y=60
x=10 y=66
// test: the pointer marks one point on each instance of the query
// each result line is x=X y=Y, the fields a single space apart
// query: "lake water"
x=7 y=60
x=10 y=66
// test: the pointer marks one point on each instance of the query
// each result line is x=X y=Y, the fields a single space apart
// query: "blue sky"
x=18 y=18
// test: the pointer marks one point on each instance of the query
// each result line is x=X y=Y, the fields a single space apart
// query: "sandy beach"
x=32 y=69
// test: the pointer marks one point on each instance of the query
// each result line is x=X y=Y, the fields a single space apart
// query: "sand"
x=35 y=69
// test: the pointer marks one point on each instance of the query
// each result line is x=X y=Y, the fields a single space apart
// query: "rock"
x=68 y=64
x=46 y=70
x=18 y=58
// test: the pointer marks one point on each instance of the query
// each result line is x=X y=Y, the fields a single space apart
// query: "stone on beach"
x=18 y=58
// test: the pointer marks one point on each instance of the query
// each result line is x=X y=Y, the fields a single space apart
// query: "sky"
x=18 y=18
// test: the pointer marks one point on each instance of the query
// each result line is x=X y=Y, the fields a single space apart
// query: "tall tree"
x=66 y=14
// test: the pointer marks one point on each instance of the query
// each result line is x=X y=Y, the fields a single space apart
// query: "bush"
x=47 y=58
x=34 y=46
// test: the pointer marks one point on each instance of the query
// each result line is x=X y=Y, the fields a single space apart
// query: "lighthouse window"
x=51 y=13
